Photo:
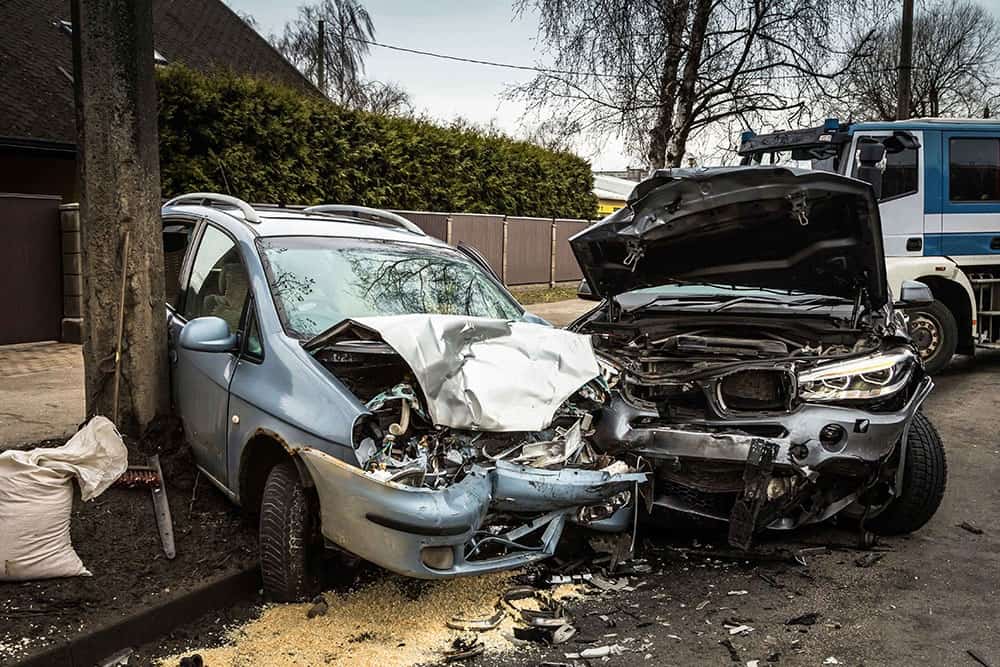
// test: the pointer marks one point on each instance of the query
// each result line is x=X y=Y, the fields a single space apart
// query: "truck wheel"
x=935 y=334
x=291 y=548
x=925 y=473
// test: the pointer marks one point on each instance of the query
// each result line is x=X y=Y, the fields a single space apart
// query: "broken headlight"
x=873 y=376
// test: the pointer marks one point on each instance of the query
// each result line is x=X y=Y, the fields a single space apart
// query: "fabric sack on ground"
x=36 y=500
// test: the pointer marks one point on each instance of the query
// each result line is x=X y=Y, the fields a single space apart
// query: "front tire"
x=925 y=474
x=934 y=333
x=290 y=547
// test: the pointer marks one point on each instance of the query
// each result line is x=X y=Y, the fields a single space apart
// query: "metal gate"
x=31 y=302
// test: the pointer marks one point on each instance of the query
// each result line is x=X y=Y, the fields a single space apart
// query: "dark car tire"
x=933 y=326
x=290 y=558
x=925 y=474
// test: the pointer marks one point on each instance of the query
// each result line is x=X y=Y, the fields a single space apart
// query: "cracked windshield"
x=318 y=282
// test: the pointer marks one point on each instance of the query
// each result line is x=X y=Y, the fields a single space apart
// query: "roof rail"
x=359 y=211
x=207 y=198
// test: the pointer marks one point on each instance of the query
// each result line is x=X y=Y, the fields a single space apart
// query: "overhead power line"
x=490 y=63
x=545 y=70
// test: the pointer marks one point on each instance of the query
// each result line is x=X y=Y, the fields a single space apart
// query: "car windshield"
x=320 y=281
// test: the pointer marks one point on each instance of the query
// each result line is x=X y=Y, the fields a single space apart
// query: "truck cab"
x=940 y=210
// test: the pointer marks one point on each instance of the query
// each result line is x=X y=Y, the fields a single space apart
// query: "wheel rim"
x=925 y=332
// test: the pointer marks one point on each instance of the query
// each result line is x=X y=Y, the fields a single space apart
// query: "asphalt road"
x=933 y=595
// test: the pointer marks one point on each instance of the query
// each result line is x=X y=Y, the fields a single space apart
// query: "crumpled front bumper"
x=395 y=526
x=870 y=436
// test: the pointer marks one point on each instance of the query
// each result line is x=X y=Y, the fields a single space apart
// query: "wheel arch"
x=956 y=299
x=264 y=450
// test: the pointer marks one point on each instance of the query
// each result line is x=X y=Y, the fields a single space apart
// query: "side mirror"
x=208 y=334
x=914 y=293
x=868 y=170
x=583 y=291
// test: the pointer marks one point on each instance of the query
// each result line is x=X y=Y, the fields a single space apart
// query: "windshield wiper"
x=809 y=301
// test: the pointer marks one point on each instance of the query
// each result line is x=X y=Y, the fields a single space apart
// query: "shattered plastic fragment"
x=477 y=624
x=596 y=652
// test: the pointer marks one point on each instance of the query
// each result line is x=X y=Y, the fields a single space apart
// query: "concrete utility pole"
x=905 y=62
x=321 y=56
x=119 y=172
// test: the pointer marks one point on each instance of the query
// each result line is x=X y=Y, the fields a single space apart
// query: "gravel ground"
x=928 y=600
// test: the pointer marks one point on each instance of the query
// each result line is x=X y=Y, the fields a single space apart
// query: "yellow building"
x=611 y=193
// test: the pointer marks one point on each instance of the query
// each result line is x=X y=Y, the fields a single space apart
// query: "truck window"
x=900 y=176
x=974 y=169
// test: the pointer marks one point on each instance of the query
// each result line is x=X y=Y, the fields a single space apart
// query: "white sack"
x=486 y=374
x=36 y=499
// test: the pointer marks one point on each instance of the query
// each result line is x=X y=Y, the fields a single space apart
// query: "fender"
x=899 y=269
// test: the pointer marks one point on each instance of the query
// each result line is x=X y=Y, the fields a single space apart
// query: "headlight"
x=873 y=376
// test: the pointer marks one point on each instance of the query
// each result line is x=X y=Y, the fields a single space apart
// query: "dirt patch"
x=116 y=536
x=385 y=622
x=543 y=294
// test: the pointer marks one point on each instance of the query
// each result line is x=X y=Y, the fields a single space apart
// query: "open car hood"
x=773 y=227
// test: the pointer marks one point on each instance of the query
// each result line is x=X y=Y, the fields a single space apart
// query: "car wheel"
x=934 y=333
x=291 y=548
x=925 y=473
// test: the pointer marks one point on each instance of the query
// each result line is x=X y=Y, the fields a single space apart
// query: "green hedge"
x=262 y=142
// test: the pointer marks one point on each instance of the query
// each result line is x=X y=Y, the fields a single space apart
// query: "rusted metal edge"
x=148 y=624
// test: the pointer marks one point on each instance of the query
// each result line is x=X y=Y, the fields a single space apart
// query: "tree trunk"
x=116 y=109
x=686 y=92
x=674 y=20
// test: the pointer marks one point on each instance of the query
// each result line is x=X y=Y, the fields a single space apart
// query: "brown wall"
x=519 y=249
x=38 y=174
x=31 y=301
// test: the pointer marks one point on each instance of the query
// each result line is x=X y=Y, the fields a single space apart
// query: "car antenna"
x=222 y=170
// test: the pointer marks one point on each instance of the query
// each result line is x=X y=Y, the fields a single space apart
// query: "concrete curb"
x=149 y=624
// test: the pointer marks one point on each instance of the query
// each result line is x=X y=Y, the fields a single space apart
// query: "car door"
x=901 y=204
x=217 y=285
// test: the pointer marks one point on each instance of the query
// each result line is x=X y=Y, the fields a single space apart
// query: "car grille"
x=756 y=389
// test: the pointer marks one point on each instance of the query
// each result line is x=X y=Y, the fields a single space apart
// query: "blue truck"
x=940 y=210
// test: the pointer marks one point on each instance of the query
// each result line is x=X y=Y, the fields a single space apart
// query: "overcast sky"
x=480 y=29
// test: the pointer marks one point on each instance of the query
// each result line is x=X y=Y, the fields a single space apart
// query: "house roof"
x=611 y=187
x=37 y=61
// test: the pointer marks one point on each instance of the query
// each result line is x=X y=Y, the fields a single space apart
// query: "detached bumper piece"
x=756 y=476
x=475 y=526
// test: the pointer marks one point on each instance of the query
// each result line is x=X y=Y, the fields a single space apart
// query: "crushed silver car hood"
x=484 y=374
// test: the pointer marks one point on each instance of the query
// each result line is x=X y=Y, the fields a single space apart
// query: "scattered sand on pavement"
x=377 y=625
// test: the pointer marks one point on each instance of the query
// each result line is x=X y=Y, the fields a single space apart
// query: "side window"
x=218 y=284
x=974 y=169
x=253 y=348
x=900 y=176
x=176 y=239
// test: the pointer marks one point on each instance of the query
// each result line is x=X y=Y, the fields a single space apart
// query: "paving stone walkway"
x=41 y=392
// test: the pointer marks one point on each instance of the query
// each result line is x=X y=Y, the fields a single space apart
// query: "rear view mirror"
x=584 y=292
x=869 y=157
x=914 y=293
x=208 y=334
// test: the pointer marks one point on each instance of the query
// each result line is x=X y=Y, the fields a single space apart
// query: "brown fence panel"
x=529 y=247
x=434 y=224
x=566 y=265
x=483 y=232
x=30 y=268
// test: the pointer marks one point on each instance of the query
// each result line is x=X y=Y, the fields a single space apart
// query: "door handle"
x=172 y=356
